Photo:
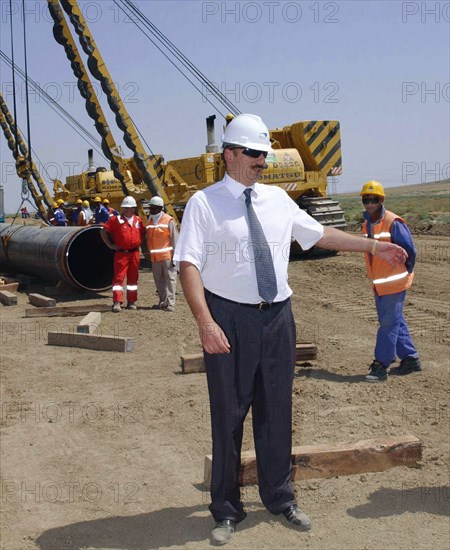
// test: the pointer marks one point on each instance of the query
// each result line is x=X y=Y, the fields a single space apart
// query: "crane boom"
x=149 y=167
x=27 y=173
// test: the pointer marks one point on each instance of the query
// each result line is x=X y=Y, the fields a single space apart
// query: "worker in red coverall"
x=124 y=233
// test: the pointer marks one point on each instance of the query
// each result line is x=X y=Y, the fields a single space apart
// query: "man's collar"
x=236 y=188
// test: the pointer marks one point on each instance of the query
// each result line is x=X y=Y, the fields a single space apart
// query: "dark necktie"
x=265 y=272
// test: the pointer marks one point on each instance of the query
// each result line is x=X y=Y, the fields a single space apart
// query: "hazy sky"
x=379 y=67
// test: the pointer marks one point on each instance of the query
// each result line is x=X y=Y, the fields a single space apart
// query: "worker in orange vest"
x=124 y=234
x=162 y=236
x=389 y=286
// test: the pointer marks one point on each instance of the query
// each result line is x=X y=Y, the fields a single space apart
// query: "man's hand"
x=213 y=338
x=391 y=253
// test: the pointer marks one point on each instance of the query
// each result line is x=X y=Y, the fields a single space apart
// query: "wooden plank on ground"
x=90 y=323
x=39 y=300
x=66 y=311
x=10 y=287
x=91 y=341
x=194 y=362
x=337 y=459
x=8 y=298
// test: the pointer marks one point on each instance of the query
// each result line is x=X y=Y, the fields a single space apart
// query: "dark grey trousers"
x=258 y=373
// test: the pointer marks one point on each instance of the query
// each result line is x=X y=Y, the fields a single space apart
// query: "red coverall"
x=127 y=235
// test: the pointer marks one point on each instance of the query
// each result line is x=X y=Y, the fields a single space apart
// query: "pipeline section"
x=74 y=255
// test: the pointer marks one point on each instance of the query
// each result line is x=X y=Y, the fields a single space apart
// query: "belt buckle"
x=263 y=305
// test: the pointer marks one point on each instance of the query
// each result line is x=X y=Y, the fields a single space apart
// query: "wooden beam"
x=337 y=459
x=10 y=287
x=66 y=311
x=91 y=341
x=41 y=301
x=8 y=298
x=90 y=323
x=194 y=363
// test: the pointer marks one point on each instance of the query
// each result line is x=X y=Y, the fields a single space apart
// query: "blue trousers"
x=393 y=337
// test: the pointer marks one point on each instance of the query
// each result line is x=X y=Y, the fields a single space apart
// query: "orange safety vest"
x=158 y=239
x=385 y=278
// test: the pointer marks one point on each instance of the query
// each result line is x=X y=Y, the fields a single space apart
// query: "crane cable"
x=27 y=100
x=90 y=139
x=136 y=16
x=182 y=58
x=16 y=146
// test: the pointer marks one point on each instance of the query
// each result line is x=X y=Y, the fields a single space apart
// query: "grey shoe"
x=377 y=372
x=116 y=307
x=223 y=531
x=297 y=518
x=131 y=305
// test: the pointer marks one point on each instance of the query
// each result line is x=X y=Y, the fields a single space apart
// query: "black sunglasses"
x=367 y=200
x=254 y=153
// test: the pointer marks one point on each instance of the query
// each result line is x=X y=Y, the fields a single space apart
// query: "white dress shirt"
x=215 y=238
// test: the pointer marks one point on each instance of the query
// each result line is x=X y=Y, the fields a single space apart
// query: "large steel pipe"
x=75 y=255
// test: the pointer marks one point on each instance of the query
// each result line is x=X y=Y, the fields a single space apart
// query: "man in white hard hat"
x=124 y=234
x=233 y=251
x=162 y=237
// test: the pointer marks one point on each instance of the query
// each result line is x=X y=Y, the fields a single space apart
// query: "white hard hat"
x=156 y=201
x=247 y=131
x=128 y=202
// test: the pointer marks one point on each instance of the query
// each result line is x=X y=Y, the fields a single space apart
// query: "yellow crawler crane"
x=305 y=154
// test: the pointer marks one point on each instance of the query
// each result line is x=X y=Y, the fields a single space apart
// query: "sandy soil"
x=104 y=450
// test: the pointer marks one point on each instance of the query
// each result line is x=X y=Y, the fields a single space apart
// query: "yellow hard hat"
x=372 y=187
x=54 y=205
x=59 y=202
x=105 y=201
x=85 y=204
x=97 y=199
x=79 y=201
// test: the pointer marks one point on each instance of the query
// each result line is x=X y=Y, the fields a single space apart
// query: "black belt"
x=129 y=250
x=262 y=306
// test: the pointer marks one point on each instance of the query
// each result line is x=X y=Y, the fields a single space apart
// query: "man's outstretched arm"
x=335 y=239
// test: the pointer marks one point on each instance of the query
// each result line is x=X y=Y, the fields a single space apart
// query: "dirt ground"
x=105 y=450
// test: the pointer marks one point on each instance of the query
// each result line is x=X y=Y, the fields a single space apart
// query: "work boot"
x=407 y=366
x=131 y=305
x=223 y=531
x=116 y=307
x=377 y=372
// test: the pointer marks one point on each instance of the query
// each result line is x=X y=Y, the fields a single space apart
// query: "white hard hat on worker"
x=129 y=202
x=156 y=201
x=249 y=132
